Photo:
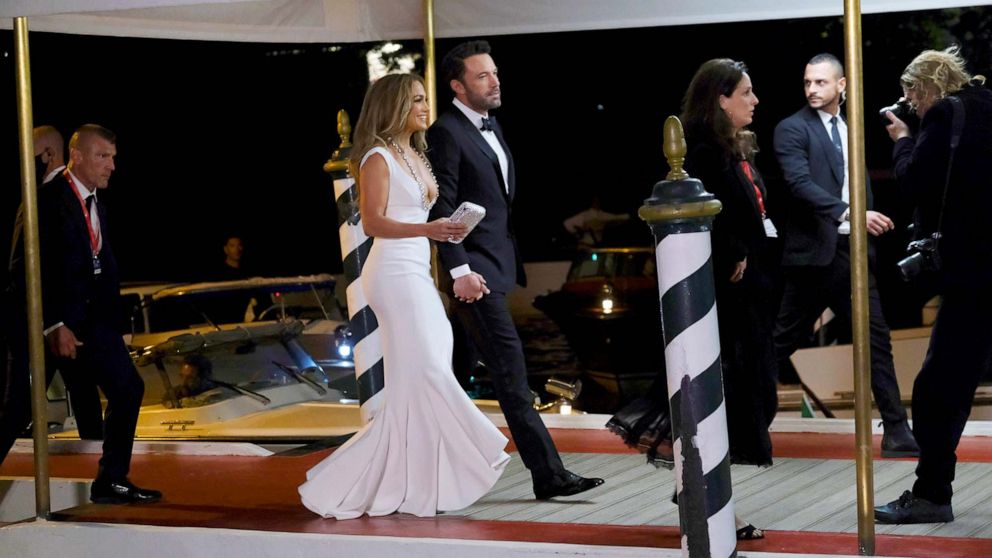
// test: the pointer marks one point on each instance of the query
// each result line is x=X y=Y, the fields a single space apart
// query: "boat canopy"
x=346 y=21
x=187 y=343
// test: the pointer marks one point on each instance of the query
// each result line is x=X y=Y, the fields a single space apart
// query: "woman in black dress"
x=716 y=109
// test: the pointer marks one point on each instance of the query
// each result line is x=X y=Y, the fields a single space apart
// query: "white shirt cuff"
x=53 y=328
x=460 y=271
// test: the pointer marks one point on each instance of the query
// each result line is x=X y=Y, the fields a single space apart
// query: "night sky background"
x=215 y=138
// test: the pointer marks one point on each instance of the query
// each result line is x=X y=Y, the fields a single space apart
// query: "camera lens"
x=900 y=109
x=910 y=266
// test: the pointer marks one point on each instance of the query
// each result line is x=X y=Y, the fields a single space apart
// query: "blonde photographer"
x=946 y=166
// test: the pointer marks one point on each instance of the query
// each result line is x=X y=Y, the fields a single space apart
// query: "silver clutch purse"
x=470 y=215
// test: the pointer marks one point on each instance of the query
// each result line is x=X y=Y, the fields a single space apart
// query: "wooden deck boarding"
x=806 y=501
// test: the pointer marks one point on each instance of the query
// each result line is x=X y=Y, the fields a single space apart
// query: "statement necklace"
x=425 y=200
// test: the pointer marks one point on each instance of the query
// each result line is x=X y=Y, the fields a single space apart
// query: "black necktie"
x=90 y=200
x=487 y=125
x=835 y=135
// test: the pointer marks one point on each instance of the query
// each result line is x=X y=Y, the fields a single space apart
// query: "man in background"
x=15 y=392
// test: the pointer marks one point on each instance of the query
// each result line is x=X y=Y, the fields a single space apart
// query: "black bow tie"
x=487 y=125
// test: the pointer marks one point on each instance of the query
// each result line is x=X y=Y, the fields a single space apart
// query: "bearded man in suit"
x=473 y=163
x=811 y=146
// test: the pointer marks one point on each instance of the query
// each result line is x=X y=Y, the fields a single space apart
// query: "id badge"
x=96 y=265
x=770 y=230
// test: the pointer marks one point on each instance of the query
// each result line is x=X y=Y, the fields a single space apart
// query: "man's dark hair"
x=827 y=57
x=453 y=64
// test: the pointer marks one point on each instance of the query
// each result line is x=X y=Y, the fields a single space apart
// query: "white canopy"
x=336 y=21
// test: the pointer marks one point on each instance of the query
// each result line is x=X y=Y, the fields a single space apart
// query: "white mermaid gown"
x=429 y=448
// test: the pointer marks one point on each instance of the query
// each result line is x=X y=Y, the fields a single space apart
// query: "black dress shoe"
x=563 y=484
x=121 y=492
x=910 y=509
x=898 y=440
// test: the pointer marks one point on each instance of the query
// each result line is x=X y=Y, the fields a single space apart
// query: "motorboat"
x=279 y=351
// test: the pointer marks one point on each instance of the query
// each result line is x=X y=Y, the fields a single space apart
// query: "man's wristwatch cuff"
x=460 y=271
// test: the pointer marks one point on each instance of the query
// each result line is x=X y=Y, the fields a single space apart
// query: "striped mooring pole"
x=355 y=246
x=680 y=213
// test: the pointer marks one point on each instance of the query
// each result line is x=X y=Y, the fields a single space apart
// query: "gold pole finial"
x=339 y=159
x=344 y=128
x=675 y=148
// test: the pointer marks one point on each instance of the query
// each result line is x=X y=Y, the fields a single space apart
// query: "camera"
x=901 y=109
x=923 y=256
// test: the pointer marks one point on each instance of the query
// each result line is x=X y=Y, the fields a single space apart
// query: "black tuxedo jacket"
x=467 y=169
x=814 y=173
x=71 y=293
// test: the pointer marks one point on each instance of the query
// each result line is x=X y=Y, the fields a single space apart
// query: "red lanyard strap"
x=94 y=234
x=746 y=167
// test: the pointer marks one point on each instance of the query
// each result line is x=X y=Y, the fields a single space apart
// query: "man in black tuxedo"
x=81 y=292
x=811 y=146
x=473 y=163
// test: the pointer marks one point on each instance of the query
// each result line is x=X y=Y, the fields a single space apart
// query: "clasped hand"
x=445 y=230
x=470 y=288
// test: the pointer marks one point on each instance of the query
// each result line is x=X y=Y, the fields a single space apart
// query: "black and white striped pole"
x=680 y=213
x=355 y=246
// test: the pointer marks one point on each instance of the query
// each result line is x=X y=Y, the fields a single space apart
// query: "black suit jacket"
x=71 y=293
x=814 y=173
x=467 y=169
x=737 y=230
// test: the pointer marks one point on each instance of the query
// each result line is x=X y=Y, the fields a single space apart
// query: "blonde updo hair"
x=384 y=115
x=938 y=73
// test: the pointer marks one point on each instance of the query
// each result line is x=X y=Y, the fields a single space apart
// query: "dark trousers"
x=103 y=361
x=960 y=353
x=809 y=290
x=491 y=328
x=15 y=391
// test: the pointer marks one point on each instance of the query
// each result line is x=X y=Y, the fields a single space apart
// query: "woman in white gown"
x=428 y=449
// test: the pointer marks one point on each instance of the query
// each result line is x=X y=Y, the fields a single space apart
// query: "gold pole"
x=859 y=277
x=430 y=73
x=430 y=82
x=32 y=271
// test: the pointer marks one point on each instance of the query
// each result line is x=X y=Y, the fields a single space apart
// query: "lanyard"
x=757 y=191
x=94 y=234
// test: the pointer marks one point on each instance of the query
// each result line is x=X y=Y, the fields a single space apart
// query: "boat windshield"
x=202 y=368
x=613 y=263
